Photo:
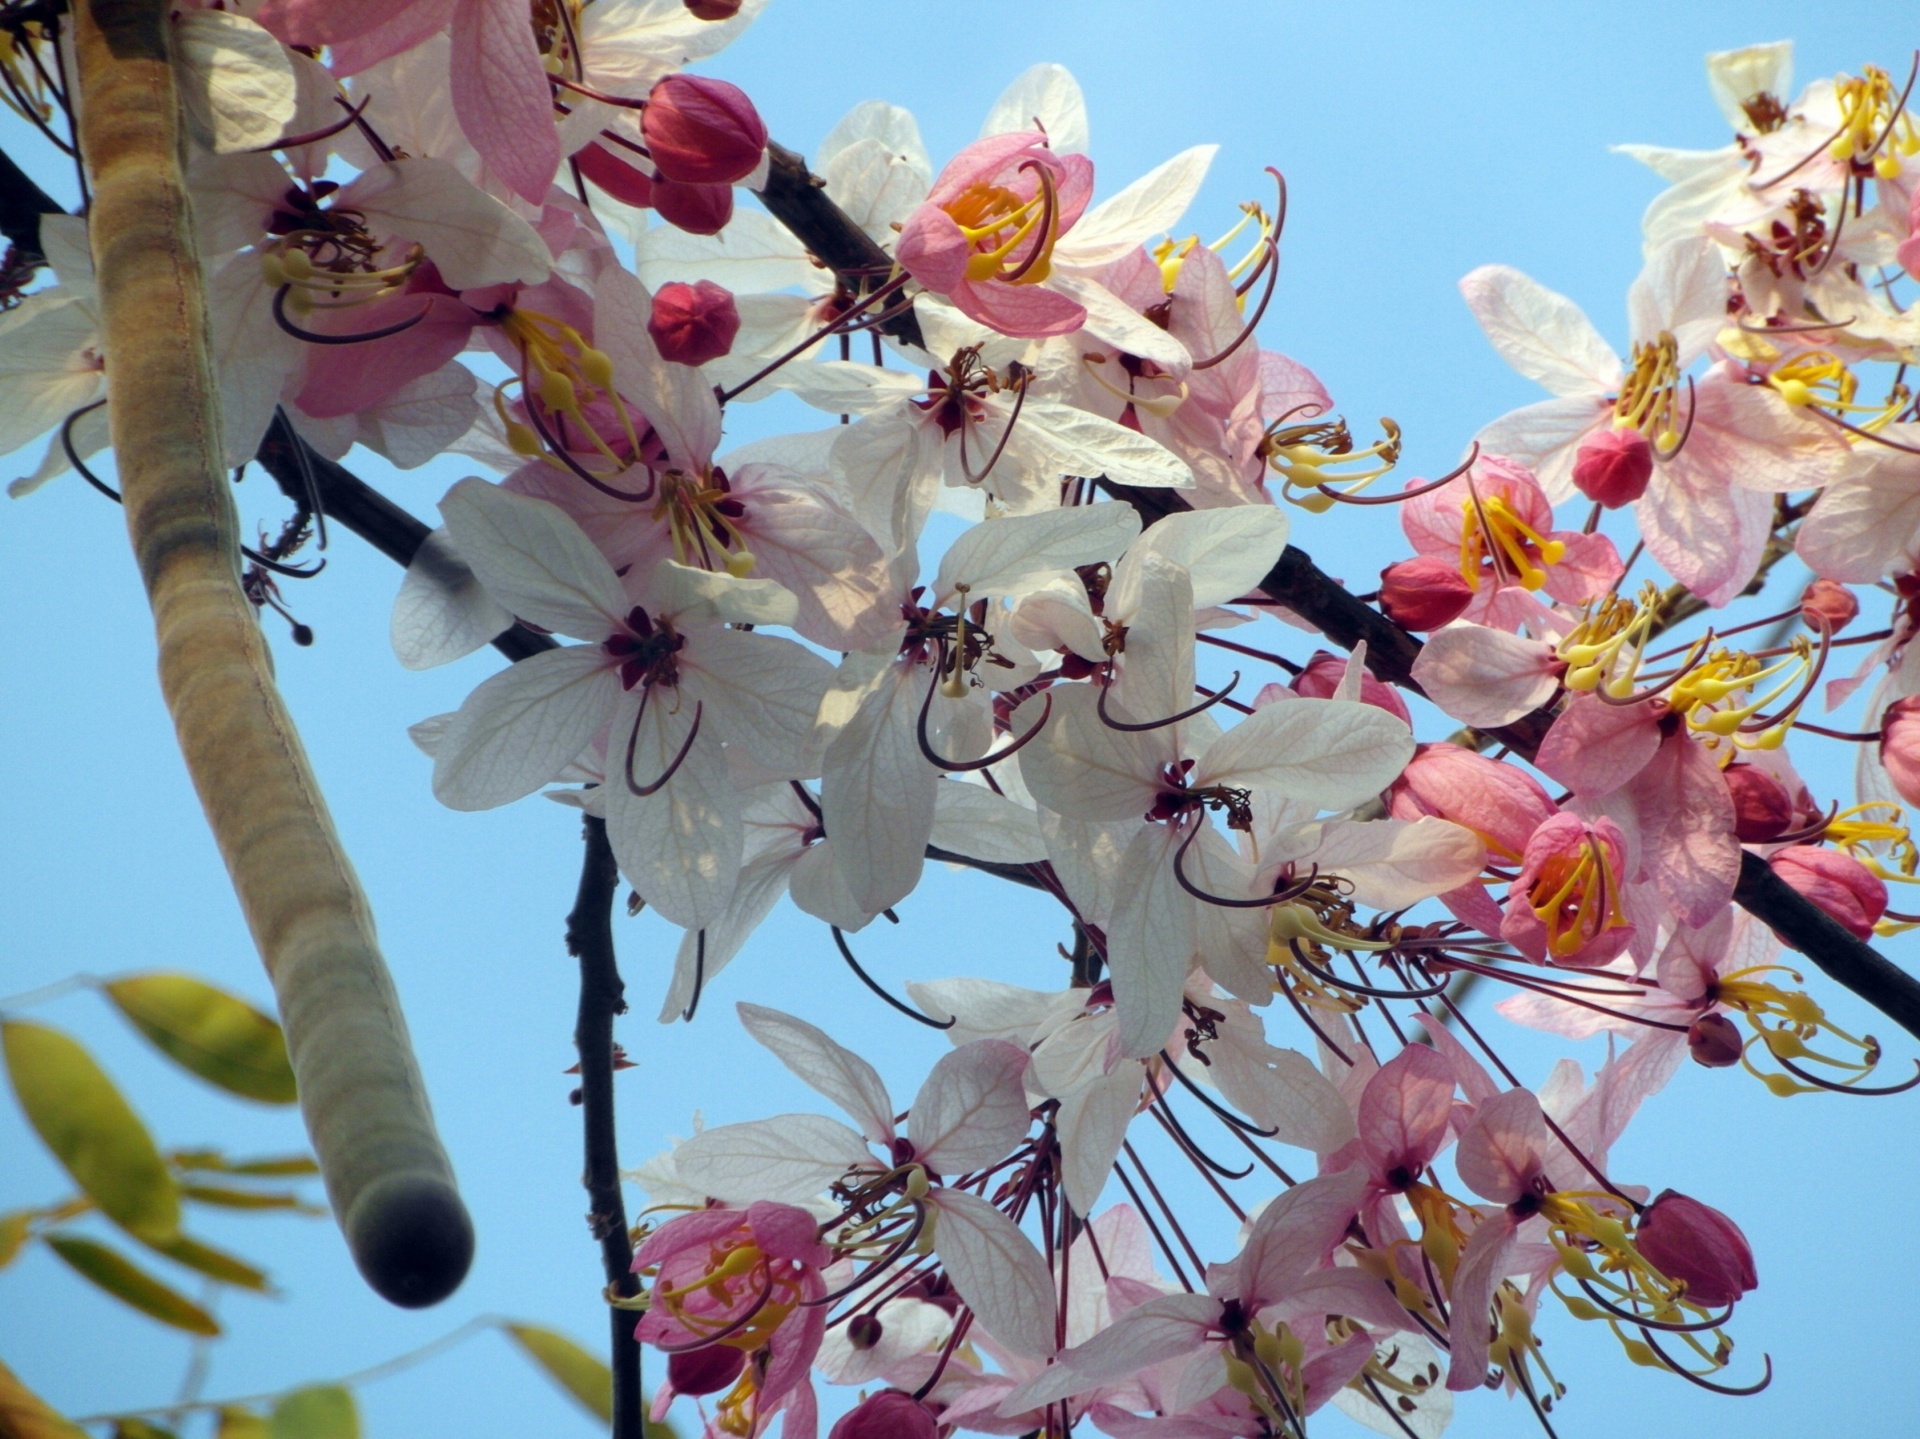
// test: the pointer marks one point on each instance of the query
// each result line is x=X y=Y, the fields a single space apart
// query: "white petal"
x=824 y=1066
x=442 y=611
x=1737 y=76
x=1227 y=552
x=1327 y=753
x=677 y=399
x=754 y=252
x=1392 y=864
x=422 y=418
x=1085 y=769
x=1058 y=439
x=1147 y=208
x=680 y=846
x=996 y=555
x=524 y=726
x=1150 y=941
x=788 y=1158
x=1484 y=677
x=972 y=820
x=987 y=1009
x=535 y=560
x=1091 y=1124
x=763 y=692
x=252 y=355
x=710 y=596
x=996 y=1270
x=703 y=953
x=1543 y=335
x=45 y=369
x=1281 y=1090
x=972 y=1110
x=472 y=238
x=1864 y=526
x=1046 y=98
x=236 y=80
x=877 y=791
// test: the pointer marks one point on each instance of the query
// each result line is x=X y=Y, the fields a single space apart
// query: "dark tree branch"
x=22 y=203
x=602 y=996
x=798 y=199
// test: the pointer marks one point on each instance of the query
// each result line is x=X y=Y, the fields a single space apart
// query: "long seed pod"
x=360 y=1090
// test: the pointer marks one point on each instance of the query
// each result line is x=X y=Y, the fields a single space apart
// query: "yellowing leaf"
x=323 y=1411
x=140 y=1429
x=583 y=1376
x=13 y=1233
x=25 y=1415
x=90 y=1128
x=212 y=1161
x=213 y=1263
x=246 y=1198
x=130 y=1284
x=238 y=1423
x=224 y=1040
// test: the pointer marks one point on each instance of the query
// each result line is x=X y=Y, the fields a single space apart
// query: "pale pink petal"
x=1594 y=747
x=501 y=94
x=1482 y=676
x=1686 y=825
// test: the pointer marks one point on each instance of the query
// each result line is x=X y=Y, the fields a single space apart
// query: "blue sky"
x=1419 y=141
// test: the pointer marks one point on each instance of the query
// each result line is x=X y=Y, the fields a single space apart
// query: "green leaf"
x=13 y=1234
x=130 y=1284
x=25 y=1415
x=583 y=1376
x=224 y=1040
x=247 y=1198
x=213 y=1263
x=212 y=1161
x=238 y=1423
x=91 y=1129
x=140 y=1429
x=323 y=1411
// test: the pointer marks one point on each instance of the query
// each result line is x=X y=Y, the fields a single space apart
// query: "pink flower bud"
x=1900 y=746
x=1613 y=467
x=1423 y=593
x=1696 y=1245
x=1322 y=677
x=1762 y=808
x=713 y=9
x=693 y=323
x=1501 y=803
x=705 y=1371
x=887 y=1415
x=1829 y=601
x=1714 y=1040
x=1839 y=884
x=701 y=131
x=624 y=182
x=697 y=209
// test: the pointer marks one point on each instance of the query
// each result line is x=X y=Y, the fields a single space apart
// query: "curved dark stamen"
x=1305 y=1012
x=1693 y=409
x=1285 y=896
x=1431 y=485
x=1212 y=698
x=1226 y=1115
x=292 y=572
x=840 y=940
x=1688 y=1374
x=877 y=1268
x=1373 y=1391
x=1760 y=723
x=956 y=766
x=1791 y=329
x=1356 y=987
x=699 y=978
x=1692 y=662
x=1049 y=223
x=560 y=452
x=838 y=325
x=294 y=142
x=1854 y=429
x=1164 y=1112
x=1854 y=736
x=806 y=798
x=1559 y=992
x=1521 y=1378
x=1019 y=400
x=73 y=455
x=1272 y=267
x=1281 y=661
x=309 y=481
x=1665 y=1326
x=314 y=337
x=619 y=101
x=1863 y=1090
x=1897 y=113
x=367 y=132
x=693 y=733
x=1812 y=831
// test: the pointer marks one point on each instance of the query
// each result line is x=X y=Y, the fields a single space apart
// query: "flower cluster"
x=771 y=671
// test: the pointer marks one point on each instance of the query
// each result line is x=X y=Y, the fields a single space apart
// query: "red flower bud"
x=697 y=209
x=1900 y=746
x=1423 y=593
x=627 y=184
x=705 y=1371
x=1322 y=677
x=1839 y=884
x=1714 y=1040
x=693 y=323
x=1613 y=467
x=1830 y=601
x=713 y=9
x=887 y=1415
x=1762 y=808
x=701 y=131
x=1696 y=1245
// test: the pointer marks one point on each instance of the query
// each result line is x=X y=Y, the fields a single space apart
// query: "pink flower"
x=1900 y=747
x=1565 y=904
x=1320 y=680
x=702 y=131
x=1496 y=525
x=1613 y=467
x=1500 y=803
x=984 y=237
x=1698 y=1246
x=1837 y=883
x=887 y=1415
x=1424 y=593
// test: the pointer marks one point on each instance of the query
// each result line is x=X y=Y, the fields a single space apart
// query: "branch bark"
x=361 y=1093
x=602 y=996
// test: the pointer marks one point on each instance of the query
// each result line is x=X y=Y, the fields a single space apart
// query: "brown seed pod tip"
x=411 y=1237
